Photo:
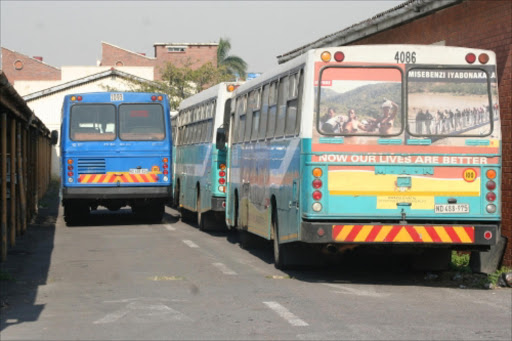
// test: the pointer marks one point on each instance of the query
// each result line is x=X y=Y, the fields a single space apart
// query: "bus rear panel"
x=116 y=151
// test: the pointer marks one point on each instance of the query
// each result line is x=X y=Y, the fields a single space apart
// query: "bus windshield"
x=360 y=101
x=93 y=122
x=448 y=102
x=141 y=122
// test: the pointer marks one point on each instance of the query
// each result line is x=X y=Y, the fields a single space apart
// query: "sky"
x=67 y=33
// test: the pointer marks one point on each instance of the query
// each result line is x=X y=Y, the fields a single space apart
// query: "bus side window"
x=272 y=109
x=236 y=119
x=248 y=118
x=292 y=106
x=264 y=113
x=255 y=108
x=241 y=112
x=209 y=128
x=281 y=109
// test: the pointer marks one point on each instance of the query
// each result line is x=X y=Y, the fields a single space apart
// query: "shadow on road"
x=27 y=265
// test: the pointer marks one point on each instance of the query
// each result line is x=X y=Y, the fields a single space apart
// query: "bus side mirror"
x=220 y=141
x=54 y=137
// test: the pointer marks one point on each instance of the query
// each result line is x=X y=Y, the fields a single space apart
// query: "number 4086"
x=405 y=57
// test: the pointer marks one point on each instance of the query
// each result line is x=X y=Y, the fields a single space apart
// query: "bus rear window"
x=141 y=122
x=93 y=122
x=448 y=102
x=360 y=101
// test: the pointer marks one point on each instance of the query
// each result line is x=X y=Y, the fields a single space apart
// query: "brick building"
x=467 y=23
x=195 y=54
x=17 y=66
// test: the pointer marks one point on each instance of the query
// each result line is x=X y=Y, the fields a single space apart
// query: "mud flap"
x=487 y=262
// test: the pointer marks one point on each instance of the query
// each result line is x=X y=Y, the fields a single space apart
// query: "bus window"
x=93 y=122
x=448 y=102
x=264 y=112
x=272 y=110
x=292 y=106
x=360 y=101
x=242 y=106
x=281 y=108
x=255 y=108
x=209 y=126
x=141 y=122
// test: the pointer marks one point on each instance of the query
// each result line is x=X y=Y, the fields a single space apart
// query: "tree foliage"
x=179 y=83
x=232 y=65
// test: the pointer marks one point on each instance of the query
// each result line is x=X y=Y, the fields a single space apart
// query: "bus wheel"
x=282 y=252
x=201 y=217
x=75 y=213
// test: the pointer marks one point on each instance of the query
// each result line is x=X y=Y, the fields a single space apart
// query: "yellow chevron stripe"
x=139 y=178
x=107 y=178
x=441 y=232
x=86 y=178
x=383 y=233
x=365 y=231
x=96 y=178
x=344 y=232
x=425 y=237
x=403 y=236
x=408 y=193
x=462 y=234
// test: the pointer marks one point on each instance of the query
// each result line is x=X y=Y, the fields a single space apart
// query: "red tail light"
x=165 y=172
x=339 y=56
x=222 y=173
x=490 y=196
x=222 y=181
x=70 y=173
x=317 y=195
x=488 y=235
x=317 y=183
x=491 y=185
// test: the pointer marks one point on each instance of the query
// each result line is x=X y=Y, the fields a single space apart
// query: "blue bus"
x=395 y=146
x=115 y=152
x=200 y=167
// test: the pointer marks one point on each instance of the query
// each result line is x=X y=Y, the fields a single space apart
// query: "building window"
x=119 y=63
x=18 y=64
x=176 y=48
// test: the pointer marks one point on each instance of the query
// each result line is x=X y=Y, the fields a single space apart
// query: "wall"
x=32 y=69
x=478 y=24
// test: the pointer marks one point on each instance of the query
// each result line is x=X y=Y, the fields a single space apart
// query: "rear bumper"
x=116 y=192
x=219 y=204
x=424 y=234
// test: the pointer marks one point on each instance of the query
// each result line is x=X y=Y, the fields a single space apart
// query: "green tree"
x=181 y=82
x=233 y=65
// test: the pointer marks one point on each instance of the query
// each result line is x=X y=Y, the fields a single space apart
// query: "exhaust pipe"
x=332 y=249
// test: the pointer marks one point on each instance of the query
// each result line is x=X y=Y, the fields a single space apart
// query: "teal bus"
x=200 y=168
x=396 y=146
x=115 y=152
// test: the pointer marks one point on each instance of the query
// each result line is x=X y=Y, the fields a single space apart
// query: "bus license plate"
x=138 y=171
x=452 y=208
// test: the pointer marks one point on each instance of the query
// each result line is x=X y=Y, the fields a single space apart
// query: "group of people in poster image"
x=447 y=122
x=331 y=123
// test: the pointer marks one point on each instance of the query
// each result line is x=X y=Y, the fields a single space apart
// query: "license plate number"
x=452 y=208
x=138 y=171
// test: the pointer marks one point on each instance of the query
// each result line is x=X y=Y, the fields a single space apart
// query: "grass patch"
x=493 y=278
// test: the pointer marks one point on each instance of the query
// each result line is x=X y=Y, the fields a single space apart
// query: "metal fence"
x=25 y=164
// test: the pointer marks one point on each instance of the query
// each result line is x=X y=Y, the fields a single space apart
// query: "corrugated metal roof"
x=407 y=11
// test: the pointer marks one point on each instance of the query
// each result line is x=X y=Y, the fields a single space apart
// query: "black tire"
x=75 y=213
x=201 y=218
x=282 y=255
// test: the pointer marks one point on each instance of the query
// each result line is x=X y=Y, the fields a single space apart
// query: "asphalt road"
x=116 y=278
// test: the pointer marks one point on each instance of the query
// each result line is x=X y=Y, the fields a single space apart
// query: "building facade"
x=193 y=55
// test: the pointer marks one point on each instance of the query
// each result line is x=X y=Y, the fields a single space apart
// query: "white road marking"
x=170 y=228
x=190 y=243
x=286 y=314
x=144 y=312
x=343 y=289
x=225 y=270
